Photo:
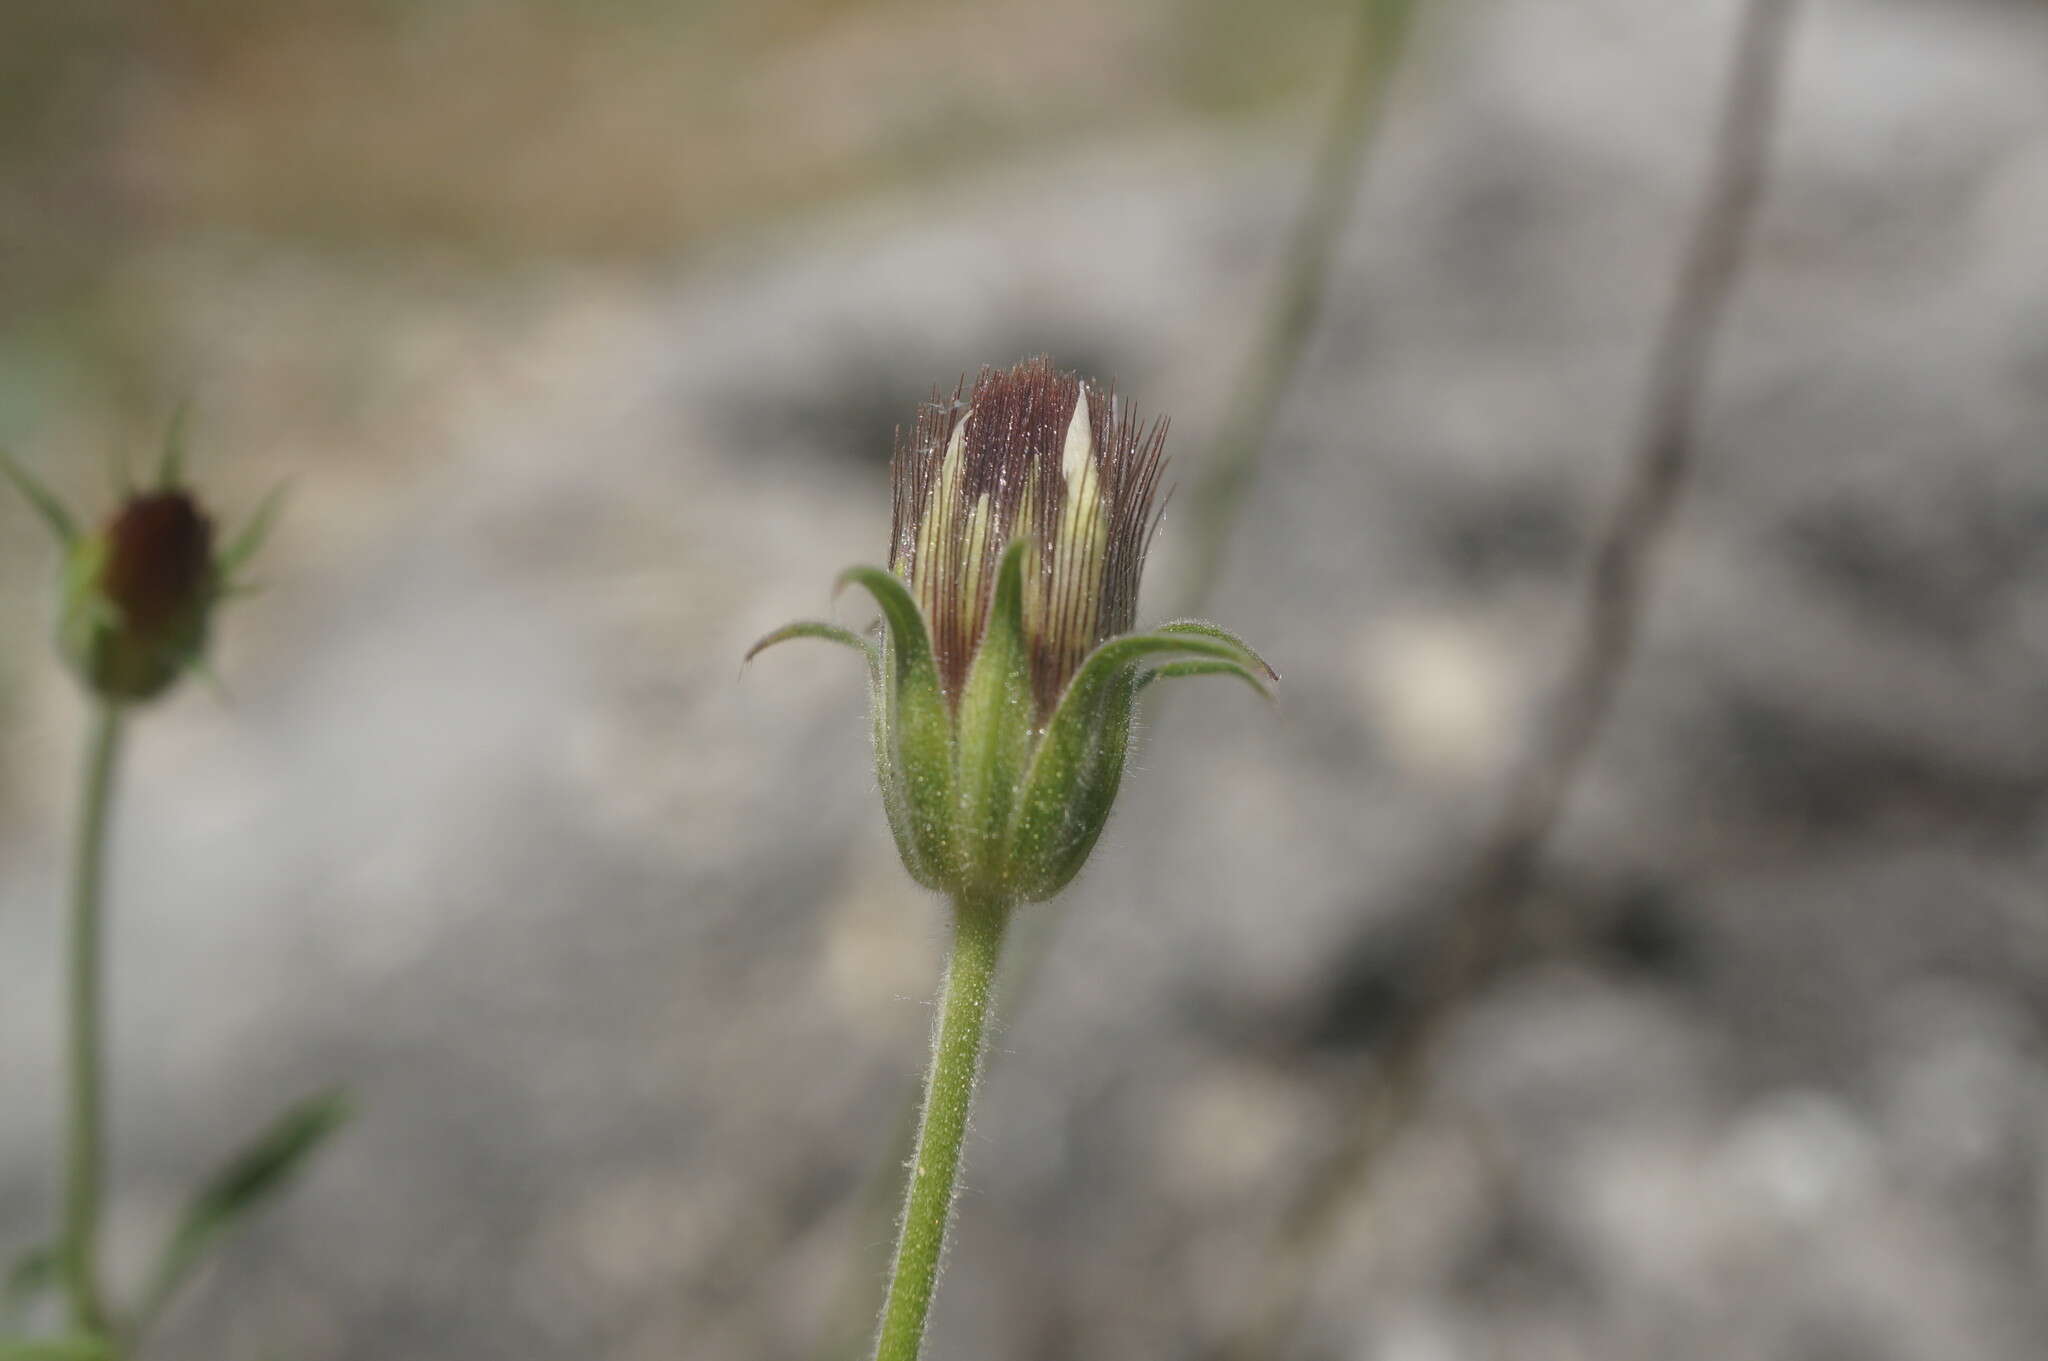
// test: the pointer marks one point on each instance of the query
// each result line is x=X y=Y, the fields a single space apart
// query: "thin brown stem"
x=1486 y=920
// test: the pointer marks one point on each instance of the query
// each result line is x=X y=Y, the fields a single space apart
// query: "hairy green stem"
x=84 y=1146
x=957 y=1046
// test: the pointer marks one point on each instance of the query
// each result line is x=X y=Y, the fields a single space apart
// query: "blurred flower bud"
x=139 y=594
x=1005 y=678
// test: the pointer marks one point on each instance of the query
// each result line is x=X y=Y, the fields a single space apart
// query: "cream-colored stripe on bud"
x=974 y=549
x=1082 y=540
x=927 y=571
x=1079 y=451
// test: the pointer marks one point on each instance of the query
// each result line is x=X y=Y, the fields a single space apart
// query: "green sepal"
x=1203 y=628
x=913 y=733
x=995 y=728
x=1120 y=655
x=83 y=605
x=42 y=499
x=893 y=804
x=895 y=801
x=79 y=1348
x=255 y=1174
x=1074 y=774
x=1206 y=668
x=249 y=542
x=1072 y=782
x=812 y=628
x=113 y=661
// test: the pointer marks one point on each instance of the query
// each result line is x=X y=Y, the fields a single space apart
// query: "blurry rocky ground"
x=609 y=939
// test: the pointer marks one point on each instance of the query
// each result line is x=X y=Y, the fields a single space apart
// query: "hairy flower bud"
x=1005 y=676
x=1039 y=455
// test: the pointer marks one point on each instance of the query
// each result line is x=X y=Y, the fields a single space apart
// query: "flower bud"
x=1038 y=455
x=1005 y=676
x=138 y=596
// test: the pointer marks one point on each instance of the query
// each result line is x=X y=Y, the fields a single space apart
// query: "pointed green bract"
x=41 y=498
x=812 y=628
x=899 y=668
x=1206 y=668
x=895 y=801
x=995 y=727
x=1075 y=773
x=899 y=612
x=250 y=541
x=893 y=804
x=170 y=468
x=917 y=752
x=1120 y=654
x=1073 y=781
x=1203 y=628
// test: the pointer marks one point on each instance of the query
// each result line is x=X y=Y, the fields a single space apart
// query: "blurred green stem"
x=957 y=1047
x=84 y=1147
x=1297 y=303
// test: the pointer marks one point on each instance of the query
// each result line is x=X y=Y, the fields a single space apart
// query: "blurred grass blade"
x=58 y=1349
x=250 y=541
x=254 y=1175
x=30 y=1278
x=42 y=498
